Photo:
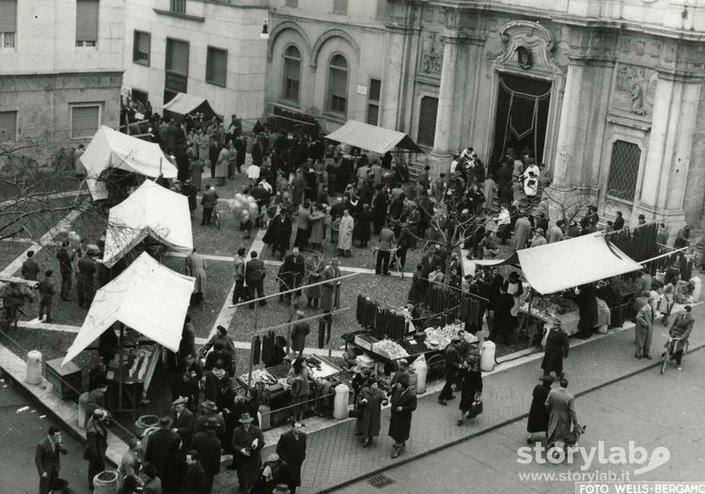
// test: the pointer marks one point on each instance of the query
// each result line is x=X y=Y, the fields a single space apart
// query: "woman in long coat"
x=221 y=167
x=330 y=290
x=370 y=403
x=196 y=267
x=471 y=388
x=403 y=403
x=538 y=414
x=347 y=225
x=316 y=227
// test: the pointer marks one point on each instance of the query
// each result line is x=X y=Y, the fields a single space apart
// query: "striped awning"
x=372 y=138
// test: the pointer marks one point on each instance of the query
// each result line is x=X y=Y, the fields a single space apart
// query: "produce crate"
x=66 y=380
x=365 y=341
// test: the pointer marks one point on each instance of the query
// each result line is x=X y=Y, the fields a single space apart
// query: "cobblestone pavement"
x=335 y=455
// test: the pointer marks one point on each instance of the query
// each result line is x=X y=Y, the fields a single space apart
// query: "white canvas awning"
x=151 y=210
x=561 y=265
x=372 y=138
x=147 y=297
x=112 y=149
x=184 y=104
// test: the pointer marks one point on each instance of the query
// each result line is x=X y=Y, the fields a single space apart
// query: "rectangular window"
x=85 y=120
x=292 y=3
x=8 y=23
x=177 y=56
x=8 y=126
x=624 y=170
x=216 y=66
x=292 y=76
x=340 y=7
x=141 y=47
x=87 y=22
x=178 y=6
x=373 y=98
x=427 y=121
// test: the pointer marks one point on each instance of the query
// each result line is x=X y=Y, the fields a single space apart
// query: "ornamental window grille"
x=427 y=121
x=624 y=170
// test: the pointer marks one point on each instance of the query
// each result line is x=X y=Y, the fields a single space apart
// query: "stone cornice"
x=675 y=75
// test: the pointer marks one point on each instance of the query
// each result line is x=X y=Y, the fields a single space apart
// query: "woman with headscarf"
x=538 y=414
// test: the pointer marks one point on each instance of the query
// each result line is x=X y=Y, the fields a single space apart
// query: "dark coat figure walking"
x=247 y=443
x=538 y=414
x=556 y=350
x=47 y=459
x=278 y=234
x=208 y=446
x=96 y=444
x=370 y=403
x=291 y=449
x=471 y=386
x=403 y=403
x=195 y=479
x=160 y=447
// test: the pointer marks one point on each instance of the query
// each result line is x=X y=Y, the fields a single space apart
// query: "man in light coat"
x=563 y=418
x=643 y=331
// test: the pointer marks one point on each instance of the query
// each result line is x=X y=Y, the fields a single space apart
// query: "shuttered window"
x=373 y=96
x=178 y=6
x=216 y=66
x=8 y=23
x=338 y=84
x=141 y=48
x=8 y=126
x=85 y=120
x=177 y=56
x=87 y=22
x=427 y=121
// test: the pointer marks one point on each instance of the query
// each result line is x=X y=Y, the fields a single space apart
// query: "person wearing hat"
x=183 y=421
x=471 y=385
x=210 y=410
x=453 y=361
x=209 y=447
x=681 y=328
x=160 y=445
x=221 y=335
x=47 y=458
x=539 y=238
x=562 y=415
x=291 y=274
x=403 y=372
x=538 y=414
x=247 y=443
x=403 y=404
x=96 y=443
x=556 y=349
x=291 y=448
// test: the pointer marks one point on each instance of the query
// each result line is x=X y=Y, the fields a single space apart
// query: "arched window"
x=292 y=74
x=337 y=100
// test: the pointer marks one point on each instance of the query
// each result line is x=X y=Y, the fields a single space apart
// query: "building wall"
x=234 y=26
x=46 y=73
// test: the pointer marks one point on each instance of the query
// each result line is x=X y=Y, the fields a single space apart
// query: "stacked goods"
x=259 y=375
x=390 y=349
x=443 y=335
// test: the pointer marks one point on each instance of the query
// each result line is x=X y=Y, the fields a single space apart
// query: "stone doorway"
x=521 y=115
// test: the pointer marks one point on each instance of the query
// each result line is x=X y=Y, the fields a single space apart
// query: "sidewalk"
x=335 y=456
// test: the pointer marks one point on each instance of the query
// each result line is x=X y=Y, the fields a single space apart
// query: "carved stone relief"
x=431 y=62
x=528 y=47
x=635 y=89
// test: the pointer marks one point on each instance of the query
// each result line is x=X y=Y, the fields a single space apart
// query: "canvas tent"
x=147 y=297
x=561 y=265
x=112 y=149
x=185 y=104
x=151 y=210
x=372 y=138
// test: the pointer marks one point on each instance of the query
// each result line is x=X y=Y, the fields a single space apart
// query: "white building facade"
x=60 y=71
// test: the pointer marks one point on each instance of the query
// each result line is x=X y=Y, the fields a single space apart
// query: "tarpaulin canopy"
x=147 y=297
x=561 y=265
x=151 y=210
x=372 y=138
x=112 y=149
x=184 y=104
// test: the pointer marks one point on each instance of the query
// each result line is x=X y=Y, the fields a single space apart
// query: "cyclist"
x=680 y=328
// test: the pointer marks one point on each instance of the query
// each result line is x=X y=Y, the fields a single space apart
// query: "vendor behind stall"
x=587 y=304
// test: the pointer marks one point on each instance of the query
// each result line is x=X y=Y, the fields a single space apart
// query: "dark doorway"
x=522 y=112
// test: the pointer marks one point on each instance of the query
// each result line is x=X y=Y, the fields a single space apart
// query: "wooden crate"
x=65 y=380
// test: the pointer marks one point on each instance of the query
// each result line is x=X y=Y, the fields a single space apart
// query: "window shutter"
x=8 y=126
x=84 y=120
x=8 y=16
x=177 y=57
x=143 y=42
x=87 y=20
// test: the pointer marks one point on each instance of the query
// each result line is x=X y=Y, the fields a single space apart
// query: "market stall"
x=187 y=104
x=111 y=149
x=148 y=298
x=150 y=211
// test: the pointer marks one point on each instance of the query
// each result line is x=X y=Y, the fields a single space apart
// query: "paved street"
x=20 y=433
x=647 y=408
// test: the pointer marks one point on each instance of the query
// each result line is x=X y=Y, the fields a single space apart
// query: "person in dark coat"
x=291 y=449
x=247 y=443
x=96 y=443
x=538 y=414
x=160 y=446
x=362 y=230
x=86 y=272
x=471 y=386
x=299 y=333
x=30 y=267
x=209 y=448
x=278 y=234
x=369 y=402
x=453 y=361
x=183 y=421
x=47 y=459
x=587 y=305
x=504 y=322
x=403 y=403
x=416 y=292
x=379 y=209
x=195 y=480
x=556 y=349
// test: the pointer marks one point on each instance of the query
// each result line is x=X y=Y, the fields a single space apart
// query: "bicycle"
x=668 y=354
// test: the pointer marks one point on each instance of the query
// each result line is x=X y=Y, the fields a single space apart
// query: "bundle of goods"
x=390 y=349
x=439 y=338
x=259 y=375
x=555 y=305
